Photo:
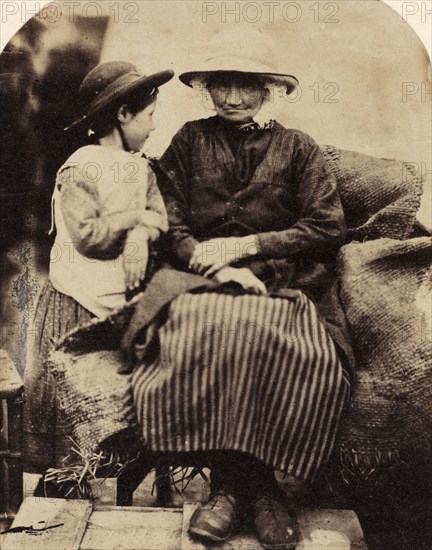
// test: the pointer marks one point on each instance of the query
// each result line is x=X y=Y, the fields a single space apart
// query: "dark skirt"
x=244 y=373
x=46 y=431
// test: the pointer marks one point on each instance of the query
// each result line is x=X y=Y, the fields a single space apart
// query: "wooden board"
x=330 y=530
x=239 y=541
x=48 y=524
x=320 y=530
x=75 y=526
x=133 y=528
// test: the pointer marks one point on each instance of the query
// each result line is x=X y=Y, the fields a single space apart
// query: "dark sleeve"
x=320 y=229
x=94 y=235
x=173 y=176
x=155 y=216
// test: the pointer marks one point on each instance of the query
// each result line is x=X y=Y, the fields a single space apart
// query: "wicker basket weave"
x=97 y=399
x=386 y=289
x=380 y=197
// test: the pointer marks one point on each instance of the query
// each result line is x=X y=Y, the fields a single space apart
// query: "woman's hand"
x=135 y=256
x=243 y=276
x=210 y=256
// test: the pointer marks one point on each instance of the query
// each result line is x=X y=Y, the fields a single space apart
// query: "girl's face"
x=236 y=98
x=137 y=127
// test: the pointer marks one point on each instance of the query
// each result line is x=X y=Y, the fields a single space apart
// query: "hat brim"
x=289 y=81
x=144 y=82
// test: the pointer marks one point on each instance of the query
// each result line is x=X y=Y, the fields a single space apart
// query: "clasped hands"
x=212 y=258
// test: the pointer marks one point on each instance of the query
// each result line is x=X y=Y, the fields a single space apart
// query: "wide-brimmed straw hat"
x=240 y=64
x=110 y=82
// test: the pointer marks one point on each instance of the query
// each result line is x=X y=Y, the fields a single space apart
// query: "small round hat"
x=110 y=82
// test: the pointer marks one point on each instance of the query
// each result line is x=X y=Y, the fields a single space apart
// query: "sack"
x=380 y=197
x=386 y=290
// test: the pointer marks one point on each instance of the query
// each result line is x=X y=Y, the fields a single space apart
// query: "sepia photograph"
x=216 y=275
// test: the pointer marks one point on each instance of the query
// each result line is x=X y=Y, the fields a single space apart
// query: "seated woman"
x=255 y=371
x=107 y=210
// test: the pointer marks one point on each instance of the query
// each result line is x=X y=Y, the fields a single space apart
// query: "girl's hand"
x=135 y=257
x=210 y=256
x=243 y=276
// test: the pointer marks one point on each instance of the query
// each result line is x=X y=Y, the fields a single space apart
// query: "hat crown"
x=240 y=63
x=253 y=55
x=104 y=75
x=255 y=48
x=114 y=81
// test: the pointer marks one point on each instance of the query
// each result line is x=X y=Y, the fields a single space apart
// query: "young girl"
x=107 y=210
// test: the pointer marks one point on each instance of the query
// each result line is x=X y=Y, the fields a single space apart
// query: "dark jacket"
x=218 y=181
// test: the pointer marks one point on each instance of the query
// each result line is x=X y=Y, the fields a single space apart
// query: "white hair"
x=275 y=94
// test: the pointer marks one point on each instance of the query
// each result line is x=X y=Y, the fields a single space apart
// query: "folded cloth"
x=166 y=284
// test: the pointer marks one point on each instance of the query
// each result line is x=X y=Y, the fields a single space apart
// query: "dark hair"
x=105 y=121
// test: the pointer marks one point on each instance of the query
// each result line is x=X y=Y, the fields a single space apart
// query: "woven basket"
x=380 y=197
x=97 y=399
x=386 y=289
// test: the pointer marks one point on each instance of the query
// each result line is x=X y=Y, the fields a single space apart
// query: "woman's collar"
x=247 y=126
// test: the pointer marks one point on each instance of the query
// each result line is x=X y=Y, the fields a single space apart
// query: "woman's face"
x=237 y=98
x=137 y=127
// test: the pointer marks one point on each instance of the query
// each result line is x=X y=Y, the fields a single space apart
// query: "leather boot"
x=224 y=510
x=274 y=522
x=214 y=521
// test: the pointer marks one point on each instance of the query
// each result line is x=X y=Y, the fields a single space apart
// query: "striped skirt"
x=46 y=430
x=244 y=373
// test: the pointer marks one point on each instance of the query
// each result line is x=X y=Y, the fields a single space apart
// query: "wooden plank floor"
x=330 y=529
x=133 y=528
x=48 y=524
x=238 y=541
x=319 y=530
x=56 y=524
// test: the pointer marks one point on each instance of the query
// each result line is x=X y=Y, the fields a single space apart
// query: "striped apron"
x=244 y=373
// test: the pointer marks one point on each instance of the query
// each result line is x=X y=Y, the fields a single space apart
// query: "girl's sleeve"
x=93 y=235
x=320 y=229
